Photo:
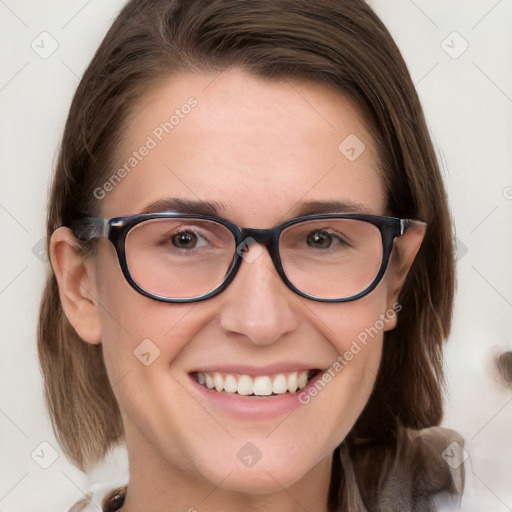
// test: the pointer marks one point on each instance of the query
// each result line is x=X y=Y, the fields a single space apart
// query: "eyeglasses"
x=175 y=257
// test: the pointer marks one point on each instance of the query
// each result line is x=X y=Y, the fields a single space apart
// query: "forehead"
x=259 y=148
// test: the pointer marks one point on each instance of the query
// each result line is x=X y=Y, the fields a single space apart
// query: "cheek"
x=137 y=332
x=356 y=331
x=360 y=323
x=141 y=338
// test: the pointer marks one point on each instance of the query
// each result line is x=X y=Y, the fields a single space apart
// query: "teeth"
x=263 y=385
x=218 y=381
x=230 y=384
x=303 y=380
x=292 y=382
x=279 y=385
x=245 y=385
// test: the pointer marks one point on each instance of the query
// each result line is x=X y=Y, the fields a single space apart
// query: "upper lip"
x=255 y=371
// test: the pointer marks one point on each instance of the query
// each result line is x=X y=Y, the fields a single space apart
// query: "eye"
x=184 y=240
x=319 y=239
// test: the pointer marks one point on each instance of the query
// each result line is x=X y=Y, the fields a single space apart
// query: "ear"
x=405 y=249
x=75 y=277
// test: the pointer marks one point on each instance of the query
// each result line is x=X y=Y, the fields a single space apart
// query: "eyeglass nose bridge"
x=267 y=237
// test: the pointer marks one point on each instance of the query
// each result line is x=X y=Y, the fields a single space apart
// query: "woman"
x=253 y=267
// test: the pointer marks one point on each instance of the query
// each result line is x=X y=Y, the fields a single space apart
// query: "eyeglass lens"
x=185 y=258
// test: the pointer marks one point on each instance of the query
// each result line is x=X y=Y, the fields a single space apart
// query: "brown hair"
x=340 y=43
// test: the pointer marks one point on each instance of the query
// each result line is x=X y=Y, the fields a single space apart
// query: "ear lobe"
x=405 y=249
x=75 y=278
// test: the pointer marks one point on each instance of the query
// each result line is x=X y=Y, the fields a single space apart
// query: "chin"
x=269 y=474
x=261 y=481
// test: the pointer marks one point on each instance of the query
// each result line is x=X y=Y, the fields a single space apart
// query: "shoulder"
x=423 y=472
x=417 y=471
x=438 y=458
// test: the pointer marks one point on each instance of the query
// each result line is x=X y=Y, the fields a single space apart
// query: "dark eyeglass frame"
x=116 y=229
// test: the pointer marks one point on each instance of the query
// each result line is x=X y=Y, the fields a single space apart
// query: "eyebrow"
x=212 y=208
x=175 y=204
x=314 y=207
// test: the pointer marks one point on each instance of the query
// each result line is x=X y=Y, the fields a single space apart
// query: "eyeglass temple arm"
x=405 y=224
x=88 y=228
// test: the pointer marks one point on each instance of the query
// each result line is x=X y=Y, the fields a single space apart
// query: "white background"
x=468 y=104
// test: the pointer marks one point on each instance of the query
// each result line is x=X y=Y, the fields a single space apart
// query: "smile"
x=261 y=385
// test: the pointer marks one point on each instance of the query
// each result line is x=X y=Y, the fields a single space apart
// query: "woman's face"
x=259 y=150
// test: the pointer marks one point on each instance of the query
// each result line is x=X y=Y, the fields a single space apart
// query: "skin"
x=261 y=148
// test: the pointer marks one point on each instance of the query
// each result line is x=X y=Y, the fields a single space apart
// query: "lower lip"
x=252 y=407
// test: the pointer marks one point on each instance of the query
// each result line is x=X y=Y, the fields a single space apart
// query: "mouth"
x=262 y=385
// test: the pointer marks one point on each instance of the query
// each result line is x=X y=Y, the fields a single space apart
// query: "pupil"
x=319 y=239
x=184 y=240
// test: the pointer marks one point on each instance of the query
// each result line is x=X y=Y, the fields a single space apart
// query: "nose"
x=257 y=303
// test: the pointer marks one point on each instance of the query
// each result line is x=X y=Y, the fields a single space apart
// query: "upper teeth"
x=262 y=385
